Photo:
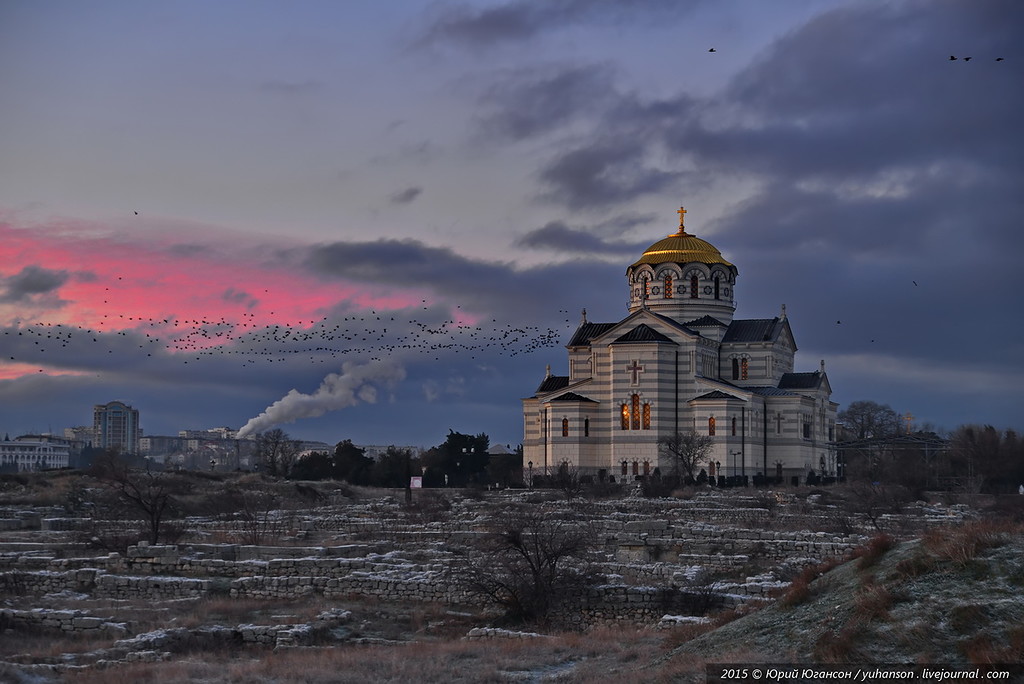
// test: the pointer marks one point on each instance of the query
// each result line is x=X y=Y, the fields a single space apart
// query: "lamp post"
x=530 y=464
x=734 y=455
x=213 y=464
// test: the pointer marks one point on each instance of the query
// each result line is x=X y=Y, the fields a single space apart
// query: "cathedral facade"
x=678 y=363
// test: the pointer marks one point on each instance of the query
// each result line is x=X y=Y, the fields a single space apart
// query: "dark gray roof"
x=587 y=332
x=800 y=380
x=552 y=383
x=705 y=322
x=754 y=330
x=715 y=394
x=642 y=333
x=572 y=396
x=767 y=391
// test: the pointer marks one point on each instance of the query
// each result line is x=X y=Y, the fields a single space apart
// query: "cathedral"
x=678 y=363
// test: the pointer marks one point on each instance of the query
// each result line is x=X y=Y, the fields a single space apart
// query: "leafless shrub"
x=528 y=561
x=963 y=543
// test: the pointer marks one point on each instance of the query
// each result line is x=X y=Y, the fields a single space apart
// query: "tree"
x=462 y=457
x=868 y=419
x=528 y=560
x=394 y=467
x=686 y=451
x=276 y=452
x=351 y=463
x=150 y=494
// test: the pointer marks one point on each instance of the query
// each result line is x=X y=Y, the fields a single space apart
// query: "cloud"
x=292 y=87
x=607 y=173
x=557 y=236
x=406 y=196
x=520 y=20
x=32 y=282
x=525 y=103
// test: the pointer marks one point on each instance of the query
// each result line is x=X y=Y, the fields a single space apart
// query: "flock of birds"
x=373 y=336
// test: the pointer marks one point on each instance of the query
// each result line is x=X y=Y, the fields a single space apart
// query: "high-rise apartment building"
x=116 y=425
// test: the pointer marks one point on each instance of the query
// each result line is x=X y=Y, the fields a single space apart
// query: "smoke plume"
x=355 y=383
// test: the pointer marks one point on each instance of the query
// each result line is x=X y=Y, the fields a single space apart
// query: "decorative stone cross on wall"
x=636 y=369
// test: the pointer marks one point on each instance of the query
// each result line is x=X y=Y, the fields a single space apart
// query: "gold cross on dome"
x=681 y=213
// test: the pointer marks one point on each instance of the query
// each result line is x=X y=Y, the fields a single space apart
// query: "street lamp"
x=734 y=454
x=213 y=464
x=530 y=464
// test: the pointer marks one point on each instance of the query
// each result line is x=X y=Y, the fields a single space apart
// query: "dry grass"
x=869 y=554
x=962 y=544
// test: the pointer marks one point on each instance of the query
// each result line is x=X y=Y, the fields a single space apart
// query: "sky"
x=380 y=221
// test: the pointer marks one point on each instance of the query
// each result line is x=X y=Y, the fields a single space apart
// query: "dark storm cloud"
x=406 y=196
x=557 y=236
x=602 y=175
x=31 y=282
x=470 y=26
x=476 y=285
x=535 y=101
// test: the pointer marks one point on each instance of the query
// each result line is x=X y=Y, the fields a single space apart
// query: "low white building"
x=34 y=452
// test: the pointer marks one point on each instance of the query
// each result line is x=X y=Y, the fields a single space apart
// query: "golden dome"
x=681 y=248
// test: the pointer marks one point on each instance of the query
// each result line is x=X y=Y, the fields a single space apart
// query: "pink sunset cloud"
x=109 y=281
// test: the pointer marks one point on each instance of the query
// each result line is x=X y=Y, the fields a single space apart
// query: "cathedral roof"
x=681 y=248
x=754 y=330
x=716 y=394
x=572 y=396
x=552 y=383
x=705 y=322
x=642 y=333
x=799 y=381
x=769 y=391
x=587 y=332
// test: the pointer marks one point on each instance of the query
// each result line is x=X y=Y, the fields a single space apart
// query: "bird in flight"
x=712 y=50
x=952 y=58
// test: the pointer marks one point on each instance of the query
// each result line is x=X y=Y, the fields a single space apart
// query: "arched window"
x=735 y=369
x=717 y=289
x=744 y=367
x=586 y=427
x=647 y=416
x=565 y=427
x=711 y=426
x=647 y=468
x=734 y=427
x=625 y=468
x=635 y=418
x=636 y=467
x=668 y=287
x=625 y=416
x=693 y=287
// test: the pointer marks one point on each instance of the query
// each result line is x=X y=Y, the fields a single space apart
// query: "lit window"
x=565 y=427
x=647 y=416
x=635 y=417
x=625 y=416
x=711 y=425
x=668 y=287
x=744 y=368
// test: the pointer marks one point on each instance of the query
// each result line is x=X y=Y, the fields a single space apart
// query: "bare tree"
x=276 y=452
x=528 y=560
x=866 y=419
x=151 y=494
x=258 y=512
x=686 y=450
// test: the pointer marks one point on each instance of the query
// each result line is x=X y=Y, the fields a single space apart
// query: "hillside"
x=955 y=596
